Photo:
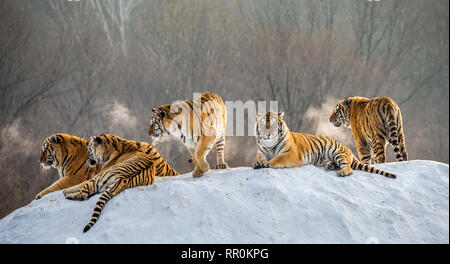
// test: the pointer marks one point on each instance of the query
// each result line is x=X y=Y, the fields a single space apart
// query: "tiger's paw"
x=331 y=166
x=73 y=196
x=221 y=166
x=344 y=172
x=199 y=173
x=260 y=164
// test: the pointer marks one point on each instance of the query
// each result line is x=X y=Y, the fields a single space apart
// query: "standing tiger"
x=374 y=123
x=125 y=165
x=280 y=148
x=199 y=124
x=68 y=155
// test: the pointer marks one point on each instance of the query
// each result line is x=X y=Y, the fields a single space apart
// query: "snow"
x=243 y=205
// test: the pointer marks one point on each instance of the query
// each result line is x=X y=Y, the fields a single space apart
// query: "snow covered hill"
x=242 y=205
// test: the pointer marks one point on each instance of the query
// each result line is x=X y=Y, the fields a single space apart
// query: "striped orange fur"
x=375 y=123
x=278 y=147
x=200 y=124
x=126 y=164
x=67 y=154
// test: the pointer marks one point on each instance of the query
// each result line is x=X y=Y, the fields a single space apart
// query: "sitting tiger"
x=125 y=166
x=199 y=124
x=374 y=123
x=280 y=148
x=68 y=155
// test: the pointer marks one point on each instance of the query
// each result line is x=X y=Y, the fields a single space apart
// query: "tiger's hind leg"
x=74 y=188
x=331 y=166
x=364 y=153
x=81 y=191
x=220 y=153
x=401 y=139
x=379 y=150
x=397 y=140
x=346 y=171
x=398 y=143
x=344 y=162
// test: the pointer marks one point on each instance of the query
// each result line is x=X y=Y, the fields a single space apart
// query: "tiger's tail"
x=106 y=196
x=356 y=165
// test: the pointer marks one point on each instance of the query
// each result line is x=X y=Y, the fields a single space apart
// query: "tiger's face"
x=51 y=152
x=270 y=127
x=47 y=157
x=160 y=121
x=97 y=151
x=341 y=114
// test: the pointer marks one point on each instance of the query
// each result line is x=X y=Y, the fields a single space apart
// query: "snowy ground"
x=242 y=205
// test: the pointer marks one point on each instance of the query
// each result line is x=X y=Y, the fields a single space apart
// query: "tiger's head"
x=341 y=113
x=58 y=146
x=50 y=151
x=98 y=150
x=105 y=147
x=161 y=120
x=270 y=127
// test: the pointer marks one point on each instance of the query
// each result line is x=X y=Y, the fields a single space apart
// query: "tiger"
x=199 y=124
x=278 y=147
x=67 y=154
x=374 y=123
x=125 y=165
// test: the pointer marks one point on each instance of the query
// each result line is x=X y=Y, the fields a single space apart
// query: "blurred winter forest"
x=91 y=66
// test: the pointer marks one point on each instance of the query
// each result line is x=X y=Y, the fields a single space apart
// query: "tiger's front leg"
x=81 y=191
x=61 y=184
x=260 y=162
x=286 y=160
x=204 y=145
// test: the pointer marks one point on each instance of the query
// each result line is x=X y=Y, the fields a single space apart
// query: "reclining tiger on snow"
x=280 y=148
x=68 y=155
x=130 y=167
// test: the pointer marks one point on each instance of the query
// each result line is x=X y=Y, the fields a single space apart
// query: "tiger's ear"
x=281 y=114
x=160 y=112
x=347 y=101
x=55 y=140
x=97 y=140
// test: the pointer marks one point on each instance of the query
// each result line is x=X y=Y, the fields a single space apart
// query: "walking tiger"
x=200 y=124
x=374 y=123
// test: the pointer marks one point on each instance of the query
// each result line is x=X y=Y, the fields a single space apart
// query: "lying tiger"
x=280 y=148
x=125 y=166
x=68 y=155
x=374 y=123
x=200 y=124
